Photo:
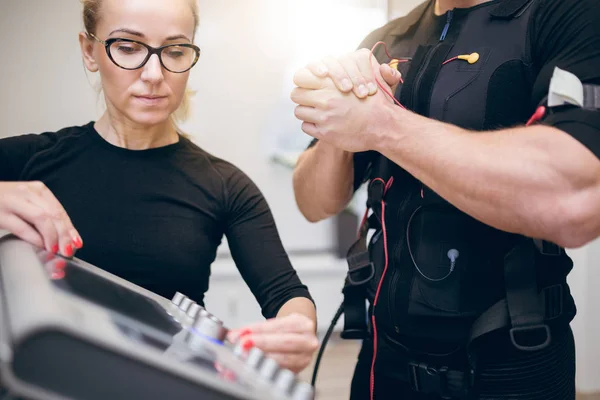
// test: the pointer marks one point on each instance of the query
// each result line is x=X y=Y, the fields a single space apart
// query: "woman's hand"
x=30 y=211
x=290 y=340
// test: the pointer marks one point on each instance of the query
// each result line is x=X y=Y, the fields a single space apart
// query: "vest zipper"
x=425 y=64
x=415 y=97
x=447 y=26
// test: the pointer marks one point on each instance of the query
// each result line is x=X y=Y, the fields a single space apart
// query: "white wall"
x=243 y=80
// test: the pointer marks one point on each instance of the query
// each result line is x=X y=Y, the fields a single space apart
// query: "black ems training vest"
x=449 y=277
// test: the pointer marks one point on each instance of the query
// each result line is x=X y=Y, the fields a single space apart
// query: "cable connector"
x=453 y=255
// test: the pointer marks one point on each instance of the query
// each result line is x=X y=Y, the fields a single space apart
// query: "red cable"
x=385 y=251
x=537 y=116
x=375 y=76
x=450 y=59
x=363 y=221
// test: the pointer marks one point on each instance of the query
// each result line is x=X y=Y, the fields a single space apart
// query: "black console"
x=69 y=330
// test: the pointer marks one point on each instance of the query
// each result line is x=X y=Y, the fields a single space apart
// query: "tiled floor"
x=337 y=366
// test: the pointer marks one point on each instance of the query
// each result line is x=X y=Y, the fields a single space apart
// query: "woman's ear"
x=87 y=50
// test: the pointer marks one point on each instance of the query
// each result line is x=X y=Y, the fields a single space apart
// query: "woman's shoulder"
x=42 y=140
x=17 y=151
x=207 y=160
x=235 y=182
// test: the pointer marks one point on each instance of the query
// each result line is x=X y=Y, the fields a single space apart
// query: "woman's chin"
x=149 y=118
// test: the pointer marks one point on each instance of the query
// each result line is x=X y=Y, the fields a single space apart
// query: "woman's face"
x=150 y=94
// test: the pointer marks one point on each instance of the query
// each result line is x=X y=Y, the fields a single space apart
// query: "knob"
x=268 y=369
x=254 y=358
x=210 y=326
x=185 y=304
x=285 y=381
x=193 y=310
x=239 y=350
x=202 y=313
x=303 y=391
x=178 y=298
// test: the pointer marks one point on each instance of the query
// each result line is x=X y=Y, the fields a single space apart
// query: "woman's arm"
x=288 y=334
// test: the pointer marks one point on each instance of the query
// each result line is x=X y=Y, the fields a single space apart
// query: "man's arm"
x=323 y=181
x=537 y=181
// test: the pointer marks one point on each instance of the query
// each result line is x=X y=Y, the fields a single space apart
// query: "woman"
x=133 y=196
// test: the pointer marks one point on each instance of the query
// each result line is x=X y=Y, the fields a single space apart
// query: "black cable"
x=334 y=321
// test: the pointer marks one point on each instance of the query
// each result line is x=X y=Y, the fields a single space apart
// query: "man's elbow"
x=577 y=224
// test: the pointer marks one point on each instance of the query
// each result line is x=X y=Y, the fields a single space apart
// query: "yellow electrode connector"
x=470 y=58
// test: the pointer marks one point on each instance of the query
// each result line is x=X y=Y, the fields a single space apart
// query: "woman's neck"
x=123 y=133
x=441 y=6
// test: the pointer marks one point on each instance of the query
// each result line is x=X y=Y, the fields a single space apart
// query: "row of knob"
x=204 y=322
x=283 y=380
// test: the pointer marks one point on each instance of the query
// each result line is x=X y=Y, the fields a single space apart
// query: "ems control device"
x=69 y=330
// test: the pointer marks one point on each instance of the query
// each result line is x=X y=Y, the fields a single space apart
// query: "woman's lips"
x=150 y=100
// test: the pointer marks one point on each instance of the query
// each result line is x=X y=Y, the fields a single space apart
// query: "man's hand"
x=354 y=72
x=340 y=118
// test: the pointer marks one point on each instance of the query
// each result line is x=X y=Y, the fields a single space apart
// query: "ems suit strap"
x=360 y=272
x=591 y=97
x=525 y=310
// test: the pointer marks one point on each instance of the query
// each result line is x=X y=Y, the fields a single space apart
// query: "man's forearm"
x=537 y=181
x=323 y=181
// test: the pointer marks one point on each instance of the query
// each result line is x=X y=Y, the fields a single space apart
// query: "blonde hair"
x=91 y=16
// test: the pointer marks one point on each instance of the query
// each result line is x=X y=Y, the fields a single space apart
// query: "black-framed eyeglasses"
x=130 y=54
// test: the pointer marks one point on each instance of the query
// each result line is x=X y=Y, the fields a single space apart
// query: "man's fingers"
x=390 y=75
x=359 y=81
x=306 y=79
x=311 y=130
x=367 y=67
x=308 y=114
x=338 y=74
x=318 y=68
x=309 y=98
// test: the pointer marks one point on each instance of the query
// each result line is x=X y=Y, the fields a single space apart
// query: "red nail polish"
x=78 y=243
x=245 y=332
x=69 y=250
x=55 y=249
x=248 y=344
x=57 y=275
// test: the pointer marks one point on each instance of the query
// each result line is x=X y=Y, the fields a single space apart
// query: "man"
x=475 y=189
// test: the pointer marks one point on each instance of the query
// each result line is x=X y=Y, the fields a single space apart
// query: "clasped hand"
x=339 y=100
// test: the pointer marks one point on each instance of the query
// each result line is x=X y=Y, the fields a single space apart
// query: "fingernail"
x=322 y=71
x=55 y=249
x=248 y=344
x=69 y=250
x=77 y=242
x=245 y=332
x=346 y=84
x=362 y=90
x=372 y=88
x=57 y=275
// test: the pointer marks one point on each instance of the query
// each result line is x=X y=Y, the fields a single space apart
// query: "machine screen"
x=99 y=290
